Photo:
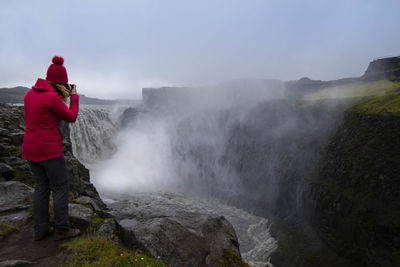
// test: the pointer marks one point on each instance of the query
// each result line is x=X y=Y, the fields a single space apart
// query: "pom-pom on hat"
x=56 y=72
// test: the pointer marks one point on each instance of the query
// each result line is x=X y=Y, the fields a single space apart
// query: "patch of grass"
x=359 y=89
x=95 y=223
x=96 y=251
x=382 y=105
x=7 y=229
x=231 y=259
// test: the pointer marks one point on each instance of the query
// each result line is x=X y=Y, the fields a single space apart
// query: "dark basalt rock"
x=97 y=206
x=171 y=233
x=6 y=172
x=17 y=138
x=14 y=200
x=355 y=197
x=13 y=193
x=80 y=216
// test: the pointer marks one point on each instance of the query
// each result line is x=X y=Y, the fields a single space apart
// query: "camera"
x=69 y=87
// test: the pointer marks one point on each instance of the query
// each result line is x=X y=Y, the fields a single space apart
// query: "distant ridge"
x=15 y=95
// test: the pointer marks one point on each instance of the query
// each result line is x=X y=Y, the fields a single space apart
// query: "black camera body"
x=69 y=87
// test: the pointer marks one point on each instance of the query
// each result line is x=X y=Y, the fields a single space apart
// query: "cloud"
x=130 y=43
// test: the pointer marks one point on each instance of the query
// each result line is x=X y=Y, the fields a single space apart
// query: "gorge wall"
x=355 y=197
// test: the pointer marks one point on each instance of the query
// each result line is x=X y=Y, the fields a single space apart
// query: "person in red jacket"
x=44 y=107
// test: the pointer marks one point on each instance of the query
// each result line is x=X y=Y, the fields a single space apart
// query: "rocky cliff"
x=355 y=197
x=384 y=68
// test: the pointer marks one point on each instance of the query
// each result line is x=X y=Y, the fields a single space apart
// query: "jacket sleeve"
x=62 y=111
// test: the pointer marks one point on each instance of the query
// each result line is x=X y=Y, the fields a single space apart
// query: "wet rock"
x=169 y=231
x=354 y=197
x=24 y=167
x=6 y=172
x=80 y=216
x=14 y=160
x=3 y=132
x=5 y=151
x=15 y=208
x=15 y=263
x=15 y=218
x=80 y=179
x=13 y=193
x=96 y=205
x=107 y=228
x=17 y=138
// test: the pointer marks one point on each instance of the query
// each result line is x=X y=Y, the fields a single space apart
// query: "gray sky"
x=114 y=48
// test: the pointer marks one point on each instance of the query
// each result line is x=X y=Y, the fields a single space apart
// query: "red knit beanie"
x=57 y=73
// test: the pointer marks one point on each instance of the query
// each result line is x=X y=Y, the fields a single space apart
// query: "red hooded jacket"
x=44 y=108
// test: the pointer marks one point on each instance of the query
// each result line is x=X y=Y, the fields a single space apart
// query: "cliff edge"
x=355 y=197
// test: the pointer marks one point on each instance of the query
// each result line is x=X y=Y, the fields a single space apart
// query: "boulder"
x=15 y=218
x=5 y=150
x=80 y=179
x=17 y=138
x=172 y=232
x=6 y=172
x=96 y=205
x=14 y=160
x=80 y=216
x=15 y=263
x=14 y=193
x=107 y=228
x=3 y=132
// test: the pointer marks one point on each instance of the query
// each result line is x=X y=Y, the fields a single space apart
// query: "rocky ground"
x=176 y=239
x=87 y=210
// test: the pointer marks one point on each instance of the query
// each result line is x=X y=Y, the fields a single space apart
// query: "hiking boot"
x=50 y=232
x=64 y=234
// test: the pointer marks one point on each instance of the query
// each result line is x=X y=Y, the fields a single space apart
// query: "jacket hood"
x=42 y=85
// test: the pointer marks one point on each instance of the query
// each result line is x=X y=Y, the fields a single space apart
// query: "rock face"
x=80 y=216
x=14 y=202
x=355 y=197
x=13 y=193
x=6 y=172
x=384 y=68
x=169 y=232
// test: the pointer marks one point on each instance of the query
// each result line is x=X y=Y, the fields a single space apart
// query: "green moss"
x=7 y=229
x=83 y=204
x=355 y=90
x=25 y=177
x=96 y=221
x=231 y=259
x=96 y=251
x=381 y=105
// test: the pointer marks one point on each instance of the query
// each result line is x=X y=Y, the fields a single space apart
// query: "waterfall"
x=141 y=154
x=92 y=135
x=252 y=155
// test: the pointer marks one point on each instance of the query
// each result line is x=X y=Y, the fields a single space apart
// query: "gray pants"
x=50 y=175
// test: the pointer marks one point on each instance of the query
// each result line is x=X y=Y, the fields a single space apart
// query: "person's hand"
x=73 y=91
